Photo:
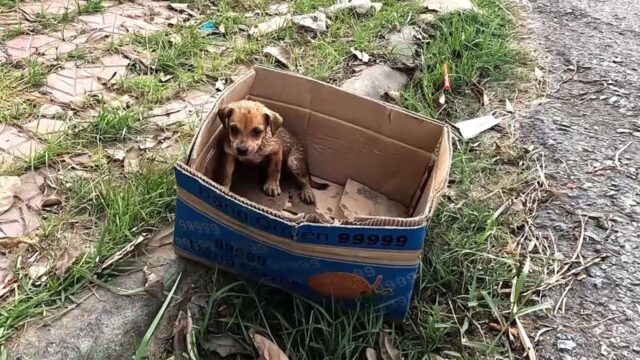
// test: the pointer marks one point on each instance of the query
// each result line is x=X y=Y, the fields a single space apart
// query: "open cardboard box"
x=348 y=259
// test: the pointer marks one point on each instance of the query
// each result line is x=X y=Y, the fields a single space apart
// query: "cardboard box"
x=358 y=259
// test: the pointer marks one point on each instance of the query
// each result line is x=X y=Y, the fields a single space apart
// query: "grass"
x=149 y=89
x=12 y=85
x=470 y=276
x=90 y=7
x=477 y=48
x=122 y=208
x=114 y=124
x=36 y=73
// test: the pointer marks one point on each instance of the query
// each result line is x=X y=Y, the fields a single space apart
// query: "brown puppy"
x=253 y=134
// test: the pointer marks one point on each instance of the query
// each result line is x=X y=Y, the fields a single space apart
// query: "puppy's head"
x=247 y=123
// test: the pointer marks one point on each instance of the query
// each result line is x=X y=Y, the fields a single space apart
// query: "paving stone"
x=73 y=82
x=46 y=128
x=40 y=45
x=195 y=106
x=31 y=9
x=16 y=144
x=402 y=46
x=107 y=326
x=374 y=81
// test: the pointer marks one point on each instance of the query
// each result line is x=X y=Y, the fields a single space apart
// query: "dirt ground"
x=589 y=131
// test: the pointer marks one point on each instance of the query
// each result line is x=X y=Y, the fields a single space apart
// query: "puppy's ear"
x=224 y=113
x=273 y=120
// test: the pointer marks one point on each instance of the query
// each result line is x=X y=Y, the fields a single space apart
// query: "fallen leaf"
x=162 y=237
x=266 y=348
x=371 y=354
x=361 y=55
x=37 y=271
x=224 y=345
x=6 y=276
x=51 y=201
x=392 y=96
x=180 y=349
x=154 y=286
x=116 y=154
x=65 y=260
x=508 y=107
x=122 y=253
x=281 y=54
x=278 y=9
x=316 y=21
x=132 y=160
x=50 y=110
x=182 y=8
x=9 y=185
x=538 y=73
x=274 y=24
x=387 y=350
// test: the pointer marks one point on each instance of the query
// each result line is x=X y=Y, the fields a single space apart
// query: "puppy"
x=254 y=134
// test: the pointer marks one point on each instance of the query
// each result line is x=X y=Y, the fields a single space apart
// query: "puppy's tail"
x=316 y=185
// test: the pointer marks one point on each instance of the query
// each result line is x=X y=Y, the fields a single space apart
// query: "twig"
x=540 y=332
x=524 y=338
x=617 y=158
x=575 y=71
x=564 y=294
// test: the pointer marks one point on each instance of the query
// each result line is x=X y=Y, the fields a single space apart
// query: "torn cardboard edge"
x=433 y=178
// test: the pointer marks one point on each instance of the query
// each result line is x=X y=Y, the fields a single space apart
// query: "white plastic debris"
x=360 y=6
x=472 y=128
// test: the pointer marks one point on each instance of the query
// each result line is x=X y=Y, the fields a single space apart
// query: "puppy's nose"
x=242 y=150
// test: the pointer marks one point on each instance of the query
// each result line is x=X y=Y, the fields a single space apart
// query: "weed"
x=477 y=47
x=12 y=84
x=148 y=88
x=7 y=4
x=36 y=73
x=113 y=124
x=90 y=7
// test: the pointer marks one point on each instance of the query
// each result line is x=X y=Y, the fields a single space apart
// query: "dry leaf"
x=180 y=336
x=132 y=160
x=387 y=350
x=122 y=253
x=9 y=185
x=281 y=54
x=116 y=154
x=266 y=348
x=65 y=260
x=51 y=201
x=278 y=9
x=37 y=271
x=361 y=55
x=153 y=286
x=6 y=276
x=224 y=345
x=183 y=8
x=446 y=6
x=508 y=107
x=162 y=237
x=538 y=73
x=371 y=354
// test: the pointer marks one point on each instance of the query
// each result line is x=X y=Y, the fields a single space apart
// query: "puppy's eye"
x=256 y=131
x=234 y=130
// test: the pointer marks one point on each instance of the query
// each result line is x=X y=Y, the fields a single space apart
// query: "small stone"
x=566 y=345
x=612 y=100
x=46 y=127
x=560 y=227
x=636 y=133
x=623 y=131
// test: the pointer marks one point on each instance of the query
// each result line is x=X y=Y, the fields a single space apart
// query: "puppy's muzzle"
x=242 y=150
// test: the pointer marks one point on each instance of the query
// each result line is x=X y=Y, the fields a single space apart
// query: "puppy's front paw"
x=272 y=188
x=307 y=196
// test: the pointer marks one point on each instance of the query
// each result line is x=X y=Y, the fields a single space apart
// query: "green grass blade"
x=142 y=349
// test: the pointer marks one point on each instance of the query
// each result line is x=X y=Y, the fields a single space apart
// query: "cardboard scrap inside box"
x=361 y=243
x=333 y=204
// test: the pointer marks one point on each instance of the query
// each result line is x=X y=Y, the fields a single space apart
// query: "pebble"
x=566 y=345
x=623 y=131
